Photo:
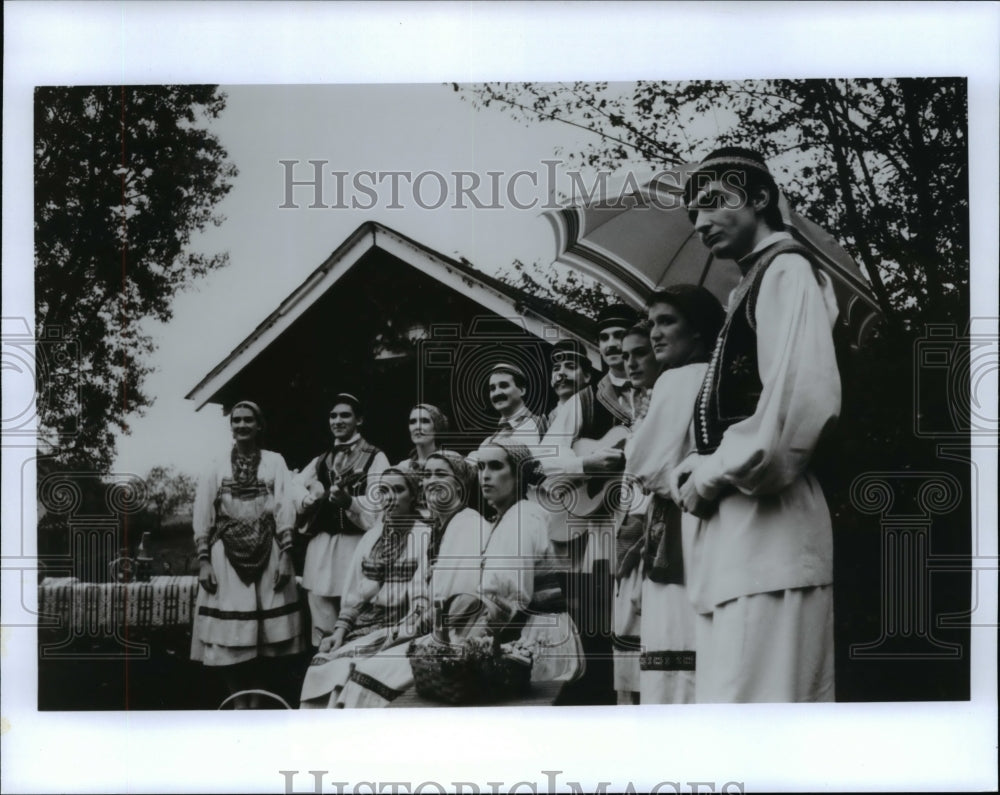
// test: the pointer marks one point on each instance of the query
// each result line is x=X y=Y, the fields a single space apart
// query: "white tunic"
x=328 y=557
x=772 y=531
x=667 y=622
x=241 y=620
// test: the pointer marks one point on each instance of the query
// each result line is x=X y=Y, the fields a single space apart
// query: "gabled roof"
x=502 y=299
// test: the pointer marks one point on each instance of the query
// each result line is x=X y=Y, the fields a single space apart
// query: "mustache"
x=498 y=398
x=613 y=351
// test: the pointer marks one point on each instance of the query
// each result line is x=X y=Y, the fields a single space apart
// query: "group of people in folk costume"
x=711 y=581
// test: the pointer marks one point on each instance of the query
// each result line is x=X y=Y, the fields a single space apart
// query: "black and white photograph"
x=417 y=392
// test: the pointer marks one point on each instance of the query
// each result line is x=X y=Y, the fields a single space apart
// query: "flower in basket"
x=519 y=651
x=464 y=660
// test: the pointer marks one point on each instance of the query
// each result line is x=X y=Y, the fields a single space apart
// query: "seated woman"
x=450 y=483
x=389 y=565
x=514 y=558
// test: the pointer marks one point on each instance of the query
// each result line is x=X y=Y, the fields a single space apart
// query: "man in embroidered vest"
x=762 y=579
x=578 y=415
x=335 y=511
x=615 y=390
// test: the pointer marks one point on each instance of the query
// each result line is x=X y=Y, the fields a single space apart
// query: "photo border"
x=777 y=747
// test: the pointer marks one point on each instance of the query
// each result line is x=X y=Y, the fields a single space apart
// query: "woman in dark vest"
x=335 y=511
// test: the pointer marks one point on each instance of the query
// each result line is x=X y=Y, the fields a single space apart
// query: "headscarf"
x=465 y=473
x=386 y=561
x=522 y=463
x=257 y=413
x=412 y=480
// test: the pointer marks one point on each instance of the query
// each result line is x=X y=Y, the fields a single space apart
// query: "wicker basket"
x=465 y=674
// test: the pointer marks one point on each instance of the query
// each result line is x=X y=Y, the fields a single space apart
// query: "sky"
x=380 y=128
x=939 y=746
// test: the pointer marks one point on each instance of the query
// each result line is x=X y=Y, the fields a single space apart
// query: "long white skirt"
x=328 y=673
x=667 y=665
x=770 y=647
x=626 y=623
x=240 y=622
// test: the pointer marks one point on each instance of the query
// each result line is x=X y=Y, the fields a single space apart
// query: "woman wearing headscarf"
x=684 y=323
x=519 y=570
x=247 y=606
x=387 y=574
x=450 y=484
x=513 y=578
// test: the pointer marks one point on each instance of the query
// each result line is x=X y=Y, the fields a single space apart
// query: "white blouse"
x=210 y=497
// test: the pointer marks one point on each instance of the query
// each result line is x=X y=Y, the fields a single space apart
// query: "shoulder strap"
x=607 y=396
x=369 y=451
x=323 y=470
x=542 y=421
x=767 y=256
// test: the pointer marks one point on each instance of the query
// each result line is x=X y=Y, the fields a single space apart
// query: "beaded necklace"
x=245 y=466
x=711 y=375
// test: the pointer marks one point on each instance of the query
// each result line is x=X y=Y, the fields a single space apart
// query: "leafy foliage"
x=882 y=164
x=561 y=287
x=124 y=175
x=168 y=492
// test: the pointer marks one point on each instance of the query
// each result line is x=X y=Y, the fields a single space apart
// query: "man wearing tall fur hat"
x=763 y=581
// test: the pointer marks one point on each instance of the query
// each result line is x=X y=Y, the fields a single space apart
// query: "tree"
x=167 y=492
x=124 y=175
x=881 y=164
x=565 y=288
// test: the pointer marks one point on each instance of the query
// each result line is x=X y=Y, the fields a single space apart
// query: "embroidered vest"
x=607 y=396
x=354 y=480
x=732 y=386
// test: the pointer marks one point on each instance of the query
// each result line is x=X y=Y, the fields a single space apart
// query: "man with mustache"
x=507 y=386
x=763 y=579
x=582 y=542
x=614 y=390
